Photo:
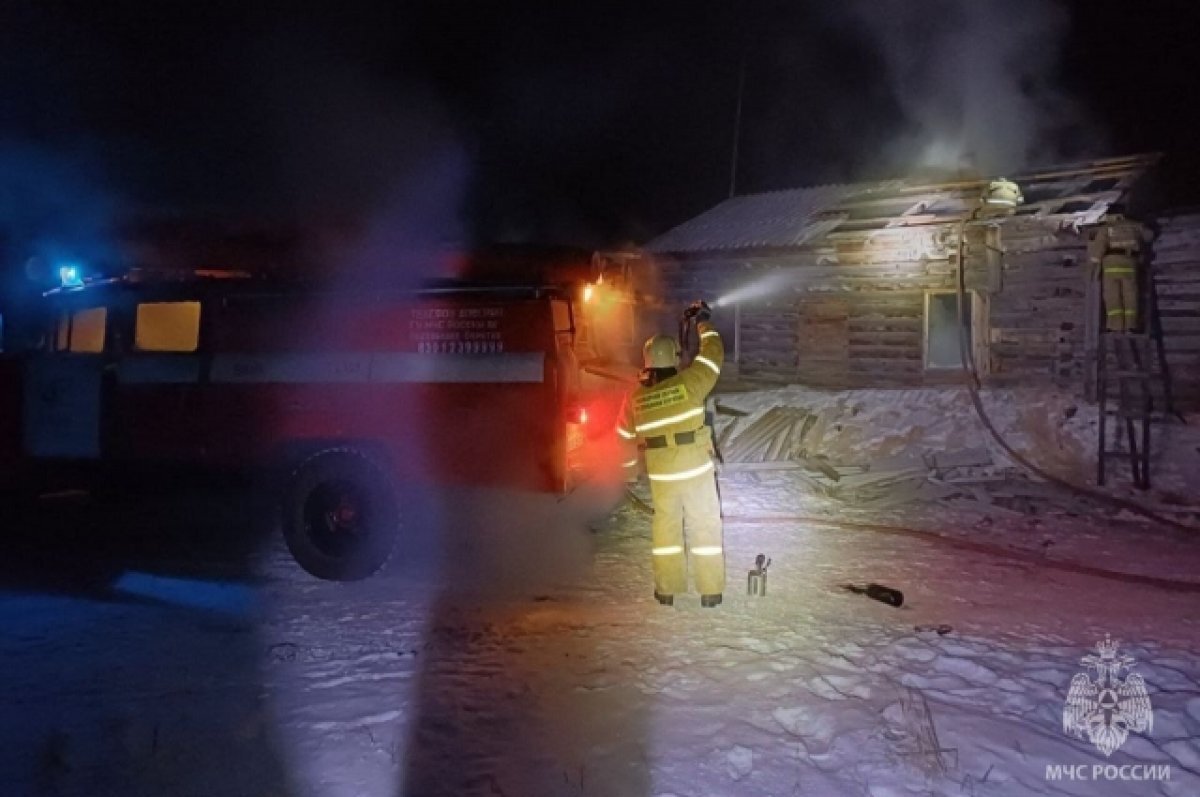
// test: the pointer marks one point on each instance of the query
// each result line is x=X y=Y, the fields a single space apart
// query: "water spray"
x=761 y=287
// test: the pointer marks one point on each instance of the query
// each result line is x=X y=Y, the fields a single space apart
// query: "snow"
x=528 y=657
x=1054 y=428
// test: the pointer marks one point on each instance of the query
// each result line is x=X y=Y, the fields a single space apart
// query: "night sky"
x=592 y=124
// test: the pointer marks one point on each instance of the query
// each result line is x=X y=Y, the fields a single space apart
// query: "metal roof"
x=1066 y=195
x=780 y=218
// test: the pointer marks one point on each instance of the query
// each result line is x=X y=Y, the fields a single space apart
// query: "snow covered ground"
x=529 y=658
x=1054 y=428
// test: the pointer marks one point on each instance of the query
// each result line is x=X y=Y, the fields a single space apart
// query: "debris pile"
x=774 y=437
x=798 y=440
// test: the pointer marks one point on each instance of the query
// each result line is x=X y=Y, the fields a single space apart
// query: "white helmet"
x=660 y=351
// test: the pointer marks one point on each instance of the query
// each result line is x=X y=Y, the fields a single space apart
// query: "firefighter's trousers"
x=1120 y=303
x=690 y=505
x=1120 y=294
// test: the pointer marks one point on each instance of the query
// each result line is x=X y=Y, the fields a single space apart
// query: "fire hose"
x=685 y=339
x=967 y=361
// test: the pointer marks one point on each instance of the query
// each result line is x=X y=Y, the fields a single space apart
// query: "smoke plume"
x=978 y=83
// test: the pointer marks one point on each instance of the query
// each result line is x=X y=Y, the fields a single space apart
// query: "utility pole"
x=737 y=129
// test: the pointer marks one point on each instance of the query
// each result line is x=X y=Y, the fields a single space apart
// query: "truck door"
x=157 y=378
x=63 y=388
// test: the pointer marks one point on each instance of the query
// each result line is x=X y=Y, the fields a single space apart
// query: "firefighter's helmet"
x=660 y=351
x=1002 y=196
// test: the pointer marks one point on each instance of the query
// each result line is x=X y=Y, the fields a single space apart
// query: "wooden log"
x=873 y=338
x=868 y=363
x=912 y=352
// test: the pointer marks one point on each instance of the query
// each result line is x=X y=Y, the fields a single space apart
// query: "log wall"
x=851 y=312
x=1177 y=277
x=1040 y=312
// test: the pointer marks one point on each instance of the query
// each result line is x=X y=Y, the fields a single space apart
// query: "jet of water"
x=760 y=287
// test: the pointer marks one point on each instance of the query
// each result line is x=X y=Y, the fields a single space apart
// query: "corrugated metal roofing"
x=777 y=219
x=1070 y=194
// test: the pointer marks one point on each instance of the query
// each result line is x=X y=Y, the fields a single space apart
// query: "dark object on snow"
x=756 y=579
x=892 y=597
x=665 y=600
x=710 y=601
x=941 y=628
x=721 y=409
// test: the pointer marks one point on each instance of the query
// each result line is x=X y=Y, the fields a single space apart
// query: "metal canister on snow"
x=756 y=579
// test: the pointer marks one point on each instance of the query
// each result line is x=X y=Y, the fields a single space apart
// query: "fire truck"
x=345 y=392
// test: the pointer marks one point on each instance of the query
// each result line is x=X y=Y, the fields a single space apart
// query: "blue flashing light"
x=70 y=276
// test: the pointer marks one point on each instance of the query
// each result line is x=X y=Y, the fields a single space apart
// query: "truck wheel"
x=341 y=517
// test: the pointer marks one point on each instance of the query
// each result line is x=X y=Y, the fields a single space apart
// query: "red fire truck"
x=345 y=391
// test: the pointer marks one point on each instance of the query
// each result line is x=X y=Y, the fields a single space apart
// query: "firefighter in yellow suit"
x=665 y=418
x=1116 y=251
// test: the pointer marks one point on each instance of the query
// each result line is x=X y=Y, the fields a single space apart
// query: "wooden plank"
x=756 y=435
x=780 y=443
x=725 y=434
x=874 y=364
x=757 y=467
x=886 y=352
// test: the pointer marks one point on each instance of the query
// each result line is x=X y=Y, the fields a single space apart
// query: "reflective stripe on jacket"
x=667 y=418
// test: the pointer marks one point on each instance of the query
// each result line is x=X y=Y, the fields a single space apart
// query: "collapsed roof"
x=1071 y=195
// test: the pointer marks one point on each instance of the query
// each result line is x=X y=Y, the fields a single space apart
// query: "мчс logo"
x=1107 y=708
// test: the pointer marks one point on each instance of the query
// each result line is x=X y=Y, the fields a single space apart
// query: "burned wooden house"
x=858 y=285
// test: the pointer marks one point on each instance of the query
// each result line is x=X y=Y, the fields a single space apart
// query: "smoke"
x=978 y=83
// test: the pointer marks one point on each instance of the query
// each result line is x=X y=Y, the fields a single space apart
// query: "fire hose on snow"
x=967 y=361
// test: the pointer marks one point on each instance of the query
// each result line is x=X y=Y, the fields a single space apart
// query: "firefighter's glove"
x=698 y=310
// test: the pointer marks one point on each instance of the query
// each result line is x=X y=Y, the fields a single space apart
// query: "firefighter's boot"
x=710 y=601
x=665 y=600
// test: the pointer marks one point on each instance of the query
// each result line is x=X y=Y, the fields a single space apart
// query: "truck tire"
x=341 y=516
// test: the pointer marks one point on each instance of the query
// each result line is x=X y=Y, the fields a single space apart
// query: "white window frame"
x=978 y=336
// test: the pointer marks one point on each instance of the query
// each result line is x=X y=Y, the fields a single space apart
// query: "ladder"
x=1132 y=376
